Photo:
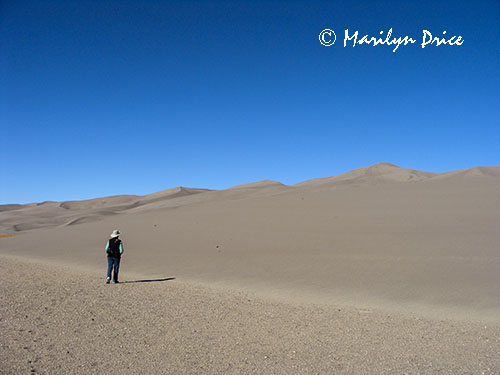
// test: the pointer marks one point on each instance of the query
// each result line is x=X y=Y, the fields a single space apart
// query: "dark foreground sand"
x=63 y=320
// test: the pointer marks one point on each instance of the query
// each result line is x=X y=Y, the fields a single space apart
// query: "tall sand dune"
x=380 y=237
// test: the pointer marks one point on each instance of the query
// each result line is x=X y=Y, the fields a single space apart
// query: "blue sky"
x=131 y=97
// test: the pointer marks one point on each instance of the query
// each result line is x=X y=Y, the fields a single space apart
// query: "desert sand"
x=379 y=270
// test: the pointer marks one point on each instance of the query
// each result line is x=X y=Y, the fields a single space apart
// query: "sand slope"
x=379 y=237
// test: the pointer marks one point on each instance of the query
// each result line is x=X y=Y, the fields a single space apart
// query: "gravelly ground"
x=59 y=320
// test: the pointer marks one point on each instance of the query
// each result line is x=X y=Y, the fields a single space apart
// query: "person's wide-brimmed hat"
x=115 y=233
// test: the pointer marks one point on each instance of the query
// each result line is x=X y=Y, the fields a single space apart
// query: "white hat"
x=115 y=233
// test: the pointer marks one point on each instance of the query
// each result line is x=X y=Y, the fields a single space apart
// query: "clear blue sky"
x=131 y=97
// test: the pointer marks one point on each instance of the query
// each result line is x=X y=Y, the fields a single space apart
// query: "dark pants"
x=113 y=264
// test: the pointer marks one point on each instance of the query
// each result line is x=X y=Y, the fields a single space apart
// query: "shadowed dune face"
x=99 y=202
x=371 y=237
x=10 y=207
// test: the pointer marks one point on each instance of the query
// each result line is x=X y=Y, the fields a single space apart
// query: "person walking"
x=114 y=249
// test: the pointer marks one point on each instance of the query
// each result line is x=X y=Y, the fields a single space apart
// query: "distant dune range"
x=376 y=237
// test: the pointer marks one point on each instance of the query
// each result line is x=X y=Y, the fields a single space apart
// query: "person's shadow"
x=148 y=280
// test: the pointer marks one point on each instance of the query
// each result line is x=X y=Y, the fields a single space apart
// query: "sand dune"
x=377 y=173
x=380 y=237
x=47 y=214
x=258 y=184
x=471 y=173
